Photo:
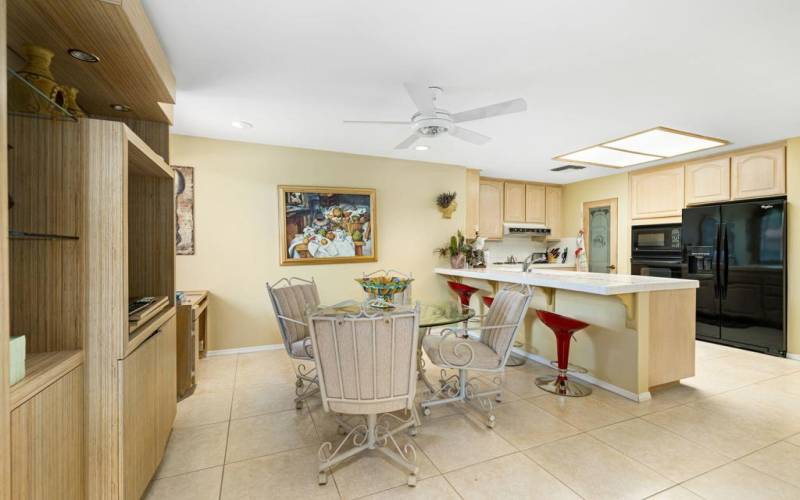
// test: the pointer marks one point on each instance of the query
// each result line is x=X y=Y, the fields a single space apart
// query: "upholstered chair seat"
x=444 y=350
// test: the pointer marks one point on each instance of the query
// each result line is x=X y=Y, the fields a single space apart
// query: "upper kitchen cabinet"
x=515 y=201
x=553 y=210
x=708 y=181
x=490 y=209
x=657 y=193
x=535 y=203
x=758 y=174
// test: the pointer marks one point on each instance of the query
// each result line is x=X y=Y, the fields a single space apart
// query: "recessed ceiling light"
x=242 y=124
x=648 y=145
x=421 y=147
x=666 y=142
x=83 y=56
x=561 y=168
x=120 y=107
x=599 y=155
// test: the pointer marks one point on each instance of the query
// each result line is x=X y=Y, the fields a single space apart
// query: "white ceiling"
x=590 y=71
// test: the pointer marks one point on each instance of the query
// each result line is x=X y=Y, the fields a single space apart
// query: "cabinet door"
x=708 y=181
x=167 y=385
x=473 y=202
x=138 y=425
x=762 y=173
x=657 y=193
x=514 y=202
x=552 y=210
x=535 y=203
x=491 y=209
x=47 y=442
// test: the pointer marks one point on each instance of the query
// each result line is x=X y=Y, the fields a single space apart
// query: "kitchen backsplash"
x=520 y=248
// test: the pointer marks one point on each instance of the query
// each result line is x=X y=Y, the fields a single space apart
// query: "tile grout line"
x=228 y=432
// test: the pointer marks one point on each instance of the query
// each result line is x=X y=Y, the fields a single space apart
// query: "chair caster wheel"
x=498 y=399
x=298 y=405
x=412 y=480
x=426 y=411
x=490 y=422
x=323 y=478
x=412 y=431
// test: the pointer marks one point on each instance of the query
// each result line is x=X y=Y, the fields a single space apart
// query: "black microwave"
x=661 y=239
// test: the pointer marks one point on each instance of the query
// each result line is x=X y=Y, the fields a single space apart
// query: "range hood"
x=525 y=229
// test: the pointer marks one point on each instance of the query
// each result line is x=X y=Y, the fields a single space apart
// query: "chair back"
x=366 y=362
x=504 y=319
x=402 y=298
x=291 y=299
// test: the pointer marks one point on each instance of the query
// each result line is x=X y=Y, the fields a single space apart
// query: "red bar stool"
x=487 y=300
x=564 y=328
x=463 y=291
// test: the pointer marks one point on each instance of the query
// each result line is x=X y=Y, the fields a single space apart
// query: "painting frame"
x=184 y=193
x=283 y=240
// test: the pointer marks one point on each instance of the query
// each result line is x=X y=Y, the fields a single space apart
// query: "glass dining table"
x=431 y=315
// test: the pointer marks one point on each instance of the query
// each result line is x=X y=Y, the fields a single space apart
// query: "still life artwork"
x=327 y=225
x=184 y=210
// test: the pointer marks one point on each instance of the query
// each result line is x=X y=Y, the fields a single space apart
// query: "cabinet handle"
x=612 y=266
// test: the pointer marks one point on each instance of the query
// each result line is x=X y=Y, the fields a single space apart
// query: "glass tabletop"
x=430 y=314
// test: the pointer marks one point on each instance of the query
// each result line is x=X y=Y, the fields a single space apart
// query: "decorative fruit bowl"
x=384 y=287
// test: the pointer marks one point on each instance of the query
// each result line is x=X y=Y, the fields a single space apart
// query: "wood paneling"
x=672 y=336
x=186 y=340
x=657 y=192
x=472 y=196
x=759 y=174
x=5 y=313
x=134 y=69
x=708 y=181
x=41 y=370
x=491 y=209
x=553 y=210
x=47 y=443
x=167 y=385
x=154 y=134
x=514 y=202
x=535 y=202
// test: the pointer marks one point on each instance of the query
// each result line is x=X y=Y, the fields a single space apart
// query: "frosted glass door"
x=599 y=239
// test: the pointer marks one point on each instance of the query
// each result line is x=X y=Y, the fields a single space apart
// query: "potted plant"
x=447 y=204
x=457 y=250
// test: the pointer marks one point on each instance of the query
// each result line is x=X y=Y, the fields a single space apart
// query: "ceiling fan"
x=430 y=121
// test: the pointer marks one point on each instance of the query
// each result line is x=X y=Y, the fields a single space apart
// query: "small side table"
x=191 y=338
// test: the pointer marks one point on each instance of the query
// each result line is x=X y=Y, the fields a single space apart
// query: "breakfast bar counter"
x=642 y=329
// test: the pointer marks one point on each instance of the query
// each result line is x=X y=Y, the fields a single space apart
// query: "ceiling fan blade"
x=501 y=108
x=469 y=136
x=422 y=97
x=376 y=122
x=408 y=142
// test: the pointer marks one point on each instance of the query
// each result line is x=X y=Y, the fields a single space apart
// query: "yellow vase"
x=447 y=213
x=22 y=98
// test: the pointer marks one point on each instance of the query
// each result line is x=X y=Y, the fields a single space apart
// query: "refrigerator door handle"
x=724 y=287
x=717 y=247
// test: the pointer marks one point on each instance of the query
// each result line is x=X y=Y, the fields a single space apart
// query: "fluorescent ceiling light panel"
x=598 y=155
x=665 y=142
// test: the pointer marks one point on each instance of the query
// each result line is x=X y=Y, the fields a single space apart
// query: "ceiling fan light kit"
x=430 y=121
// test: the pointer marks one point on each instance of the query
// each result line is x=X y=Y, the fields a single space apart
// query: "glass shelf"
x=25 y=91
x=24 y=235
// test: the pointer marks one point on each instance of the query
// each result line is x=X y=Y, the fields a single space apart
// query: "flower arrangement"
x=457 y=250
x=447 y=204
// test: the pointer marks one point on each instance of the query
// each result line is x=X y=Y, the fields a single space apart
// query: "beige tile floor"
x=732 y=431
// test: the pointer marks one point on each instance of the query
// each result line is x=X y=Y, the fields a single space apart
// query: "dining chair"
x=456 y=348
x=366 y=364
x=292 y=299
x=401 y=298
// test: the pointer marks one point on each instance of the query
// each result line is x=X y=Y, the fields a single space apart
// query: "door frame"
x=613 y=203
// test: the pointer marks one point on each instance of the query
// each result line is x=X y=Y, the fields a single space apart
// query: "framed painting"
x=184 y=210
x=324 y=225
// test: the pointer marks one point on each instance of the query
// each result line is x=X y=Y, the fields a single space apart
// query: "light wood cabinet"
x=47 y=442
x=708 y=181
x=759 y=174
x=514 y=202
x=553 y=210
x=535 y=203
x=491 y=209
x=657 y=193
x=167 y=384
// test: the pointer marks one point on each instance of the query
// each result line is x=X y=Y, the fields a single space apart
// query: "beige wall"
x=236 y=225
x=612 y=186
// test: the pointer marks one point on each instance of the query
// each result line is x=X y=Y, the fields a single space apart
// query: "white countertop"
x=595 y=283
x=518 y=267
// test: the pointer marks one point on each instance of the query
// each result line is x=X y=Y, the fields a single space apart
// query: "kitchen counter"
x=642 y=328
x=594 y=283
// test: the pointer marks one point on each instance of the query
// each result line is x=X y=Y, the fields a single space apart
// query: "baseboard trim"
x=643 y=396
x=244 y=350
x=793 y=356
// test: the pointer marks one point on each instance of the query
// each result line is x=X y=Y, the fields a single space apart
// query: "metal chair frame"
x=462 y=388
x=306 y=383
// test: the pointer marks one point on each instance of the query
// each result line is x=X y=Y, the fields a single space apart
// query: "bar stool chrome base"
x=562 y=386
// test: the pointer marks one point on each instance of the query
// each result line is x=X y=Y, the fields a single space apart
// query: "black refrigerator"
x=737 y=251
